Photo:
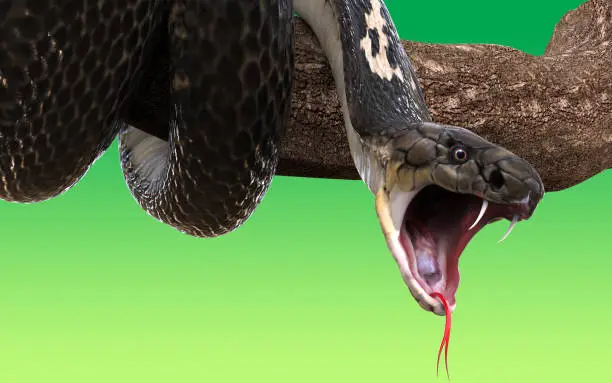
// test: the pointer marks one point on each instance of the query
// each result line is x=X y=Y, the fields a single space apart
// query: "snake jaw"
x=427 y=230
x=390 y=215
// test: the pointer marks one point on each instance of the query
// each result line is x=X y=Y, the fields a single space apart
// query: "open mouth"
x=428 y=230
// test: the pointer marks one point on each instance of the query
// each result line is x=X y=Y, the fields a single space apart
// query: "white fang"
x=483 y=209
x=512 y=224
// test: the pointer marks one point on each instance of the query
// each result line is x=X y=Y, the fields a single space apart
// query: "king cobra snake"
x=199 y=95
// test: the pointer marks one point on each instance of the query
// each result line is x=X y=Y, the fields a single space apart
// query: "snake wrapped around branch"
x=199 y=95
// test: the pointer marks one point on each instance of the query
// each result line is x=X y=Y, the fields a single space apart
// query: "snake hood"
x=436 y=185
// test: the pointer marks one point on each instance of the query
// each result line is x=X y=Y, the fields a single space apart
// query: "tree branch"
x=554 y=110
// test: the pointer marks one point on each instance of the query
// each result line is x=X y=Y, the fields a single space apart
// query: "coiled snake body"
x=199 y=93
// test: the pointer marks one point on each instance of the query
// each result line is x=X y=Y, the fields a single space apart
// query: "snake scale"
x=199 y=95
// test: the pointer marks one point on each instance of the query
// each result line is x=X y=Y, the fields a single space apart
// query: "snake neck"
x=375 y=82
x=321 y=16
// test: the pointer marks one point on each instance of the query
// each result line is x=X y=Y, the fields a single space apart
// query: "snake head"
x=442 y=185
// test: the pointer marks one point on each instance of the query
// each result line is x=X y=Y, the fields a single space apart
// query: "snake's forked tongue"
x=447 y=330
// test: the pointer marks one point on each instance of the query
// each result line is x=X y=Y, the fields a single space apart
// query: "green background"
x=94 y=290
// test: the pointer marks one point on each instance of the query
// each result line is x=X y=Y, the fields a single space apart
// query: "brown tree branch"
x=554 y=110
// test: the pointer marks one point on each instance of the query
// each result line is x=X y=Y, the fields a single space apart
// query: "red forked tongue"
x=447 y=330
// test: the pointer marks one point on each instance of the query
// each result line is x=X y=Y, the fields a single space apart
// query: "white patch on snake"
x=13 y=167
x=149 y=154
x=413 y=84
x=4 y=183
x=379 y=64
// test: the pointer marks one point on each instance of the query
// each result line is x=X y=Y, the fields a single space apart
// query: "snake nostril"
x=496 y=179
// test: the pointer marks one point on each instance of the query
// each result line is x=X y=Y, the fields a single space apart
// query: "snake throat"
x=427 y=231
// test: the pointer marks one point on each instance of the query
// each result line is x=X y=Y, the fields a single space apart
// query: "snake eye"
x=459 y=153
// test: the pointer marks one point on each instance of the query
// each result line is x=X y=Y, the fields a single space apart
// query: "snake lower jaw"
x=427 y=230
x=388 y=208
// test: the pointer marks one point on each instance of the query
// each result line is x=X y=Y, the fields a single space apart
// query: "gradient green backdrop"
x=94 y=290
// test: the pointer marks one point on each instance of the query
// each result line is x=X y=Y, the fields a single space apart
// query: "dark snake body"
x=213 y=78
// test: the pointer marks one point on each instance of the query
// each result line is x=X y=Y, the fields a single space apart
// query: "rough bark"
x=554 y=110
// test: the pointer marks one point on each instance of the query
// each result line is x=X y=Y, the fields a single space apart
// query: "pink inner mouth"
x=436 y=230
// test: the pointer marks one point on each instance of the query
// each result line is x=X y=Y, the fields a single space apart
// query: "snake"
x=198 y=95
